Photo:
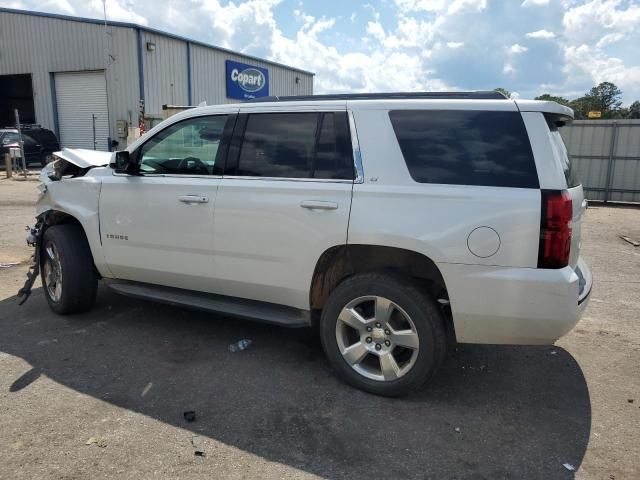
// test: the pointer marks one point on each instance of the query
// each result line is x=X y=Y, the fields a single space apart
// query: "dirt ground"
x=103 y=394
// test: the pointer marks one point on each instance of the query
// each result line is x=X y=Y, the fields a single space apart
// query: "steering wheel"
x=193 y=165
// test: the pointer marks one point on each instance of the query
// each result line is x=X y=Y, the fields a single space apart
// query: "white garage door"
x=82 y=100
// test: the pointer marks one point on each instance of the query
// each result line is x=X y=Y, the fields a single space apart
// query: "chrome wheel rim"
x=52 y=272
x=377 y=338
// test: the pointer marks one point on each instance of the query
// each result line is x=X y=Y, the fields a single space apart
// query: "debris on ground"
x=199 y=453
x=457 y=429
x=95 y=441
x=569 y=467
x=630 y=240
x=630 y=400
x=189 y=416
x=8 y=264
x=240 y=345
x=553 y=352
x=146 y=389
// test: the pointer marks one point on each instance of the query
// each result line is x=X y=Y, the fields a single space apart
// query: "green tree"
x=634 y=109
x=621 y=112
x=605 y=98
x=581 y=107
x=503 y=91
x=553 y=98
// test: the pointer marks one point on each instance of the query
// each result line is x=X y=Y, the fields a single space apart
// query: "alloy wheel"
x=377 y=338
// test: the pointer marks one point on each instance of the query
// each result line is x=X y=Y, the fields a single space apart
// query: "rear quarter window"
x=561 y=153
x=459 y=147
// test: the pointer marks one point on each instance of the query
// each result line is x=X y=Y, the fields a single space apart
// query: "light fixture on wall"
x=151 y=46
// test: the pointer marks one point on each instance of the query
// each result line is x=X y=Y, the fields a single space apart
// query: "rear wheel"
x=69 y=280
x=382 y=334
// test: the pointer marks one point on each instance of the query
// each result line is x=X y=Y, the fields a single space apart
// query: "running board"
x=209 y=302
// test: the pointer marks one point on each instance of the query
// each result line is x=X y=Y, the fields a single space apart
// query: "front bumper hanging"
x=34 y=239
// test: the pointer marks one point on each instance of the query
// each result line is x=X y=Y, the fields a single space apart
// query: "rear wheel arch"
x=338 y=263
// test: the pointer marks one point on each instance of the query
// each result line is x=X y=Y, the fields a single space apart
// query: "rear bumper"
x=526 y=306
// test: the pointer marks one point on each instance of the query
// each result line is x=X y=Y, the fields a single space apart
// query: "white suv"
x=399 y=223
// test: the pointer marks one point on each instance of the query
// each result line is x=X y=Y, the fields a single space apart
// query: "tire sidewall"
x=422 y=311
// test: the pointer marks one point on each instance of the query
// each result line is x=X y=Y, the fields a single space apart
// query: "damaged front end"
x=73 y=162
x=66 y=194
x=34 y=239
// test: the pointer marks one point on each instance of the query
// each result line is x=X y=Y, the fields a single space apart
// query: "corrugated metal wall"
x=209 y=83
x=43 y=45
x=165 y=72
x=606 y=156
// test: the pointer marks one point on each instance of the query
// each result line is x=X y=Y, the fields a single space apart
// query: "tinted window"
x=189 y=147
x=466 y=147
x=295 y=145
x=561 y=152
x=45 y=137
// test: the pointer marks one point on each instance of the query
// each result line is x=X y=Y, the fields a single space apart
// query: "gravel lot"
x=103 y=393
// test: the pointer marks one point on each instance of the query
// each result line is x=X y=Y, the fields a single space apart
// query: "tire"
x=65 y=250
x=414 y=316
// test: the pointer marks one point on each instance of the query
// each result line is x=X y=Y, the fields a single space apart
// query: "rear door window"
x=465 y=147
x=295 y=145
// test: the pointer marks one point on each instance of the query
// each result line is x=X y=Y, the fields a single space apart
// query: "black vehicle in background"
x=39 y=143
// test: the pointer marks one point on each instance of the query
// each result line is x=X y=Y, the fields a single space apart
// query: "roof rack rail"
x=474 y=95
x=23 y=126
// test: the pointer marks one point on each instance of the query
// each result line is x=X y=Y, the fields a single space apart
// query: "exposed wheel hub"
x=378 y=335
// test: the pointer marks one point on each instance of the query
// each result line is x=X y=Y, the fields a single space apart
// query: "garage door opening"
x=16 y=91
x=81 y=99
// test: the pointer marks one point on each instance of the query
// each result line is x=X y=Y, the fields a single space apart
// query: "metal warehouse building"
x=76 y=75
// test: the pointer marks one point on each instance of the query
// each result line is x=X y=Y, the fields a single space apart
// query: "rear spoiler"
x=560 y=113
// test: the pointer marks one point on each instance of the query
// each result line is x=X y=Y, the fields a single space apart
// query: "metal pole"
x=8 y=164
x=612 y=151
x=24 y=161
x=93 y=119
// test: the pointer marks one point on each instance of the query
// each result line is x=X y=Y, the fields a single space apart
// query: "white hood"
x=84 y=158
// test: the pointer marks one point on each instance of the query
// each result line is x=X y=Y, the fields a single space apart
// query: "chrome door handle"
x=193 y=199
x=319 y=205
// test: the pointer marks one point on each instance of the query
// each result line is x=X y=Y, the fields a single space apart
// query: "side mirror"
x=121 y=162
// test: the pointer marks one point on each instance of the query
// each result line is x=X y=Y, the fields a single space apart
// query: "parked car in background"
x=39 y=143
x=397 y=223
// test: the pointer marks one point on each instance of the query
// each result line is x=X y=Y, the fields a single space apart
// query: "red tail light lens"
x=555 y=229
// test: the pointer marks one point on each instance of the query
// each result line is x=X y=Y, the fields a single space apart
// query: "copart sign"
x=245 y=82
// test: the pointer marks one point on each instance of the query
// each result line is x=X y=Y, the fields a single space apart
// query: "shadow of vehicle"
x=492 y=412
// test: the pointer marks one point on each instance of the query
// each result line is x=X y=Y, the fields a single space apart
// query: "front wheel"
x=382 y=334
x=69 y=280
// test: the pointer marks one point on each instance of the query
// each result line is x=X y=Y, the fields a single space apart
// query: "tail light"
x=555 y=229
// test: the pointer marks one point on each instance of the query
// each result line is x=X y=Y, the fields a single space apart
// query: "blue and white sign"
x=245 y=82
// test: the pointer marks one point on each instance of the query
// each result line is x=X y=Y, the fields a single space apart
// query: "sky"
x=530 y=47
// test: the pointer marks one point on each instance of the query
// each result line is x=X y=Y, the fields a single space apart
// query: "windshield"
x=9 y=138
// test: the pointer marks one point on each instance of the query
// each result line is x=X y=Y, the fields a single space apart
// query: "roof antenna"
x=107 y=55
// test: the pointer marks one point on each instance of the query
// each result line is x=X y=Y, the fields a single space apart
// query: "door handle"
x=193 y=199
x=318 y=205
